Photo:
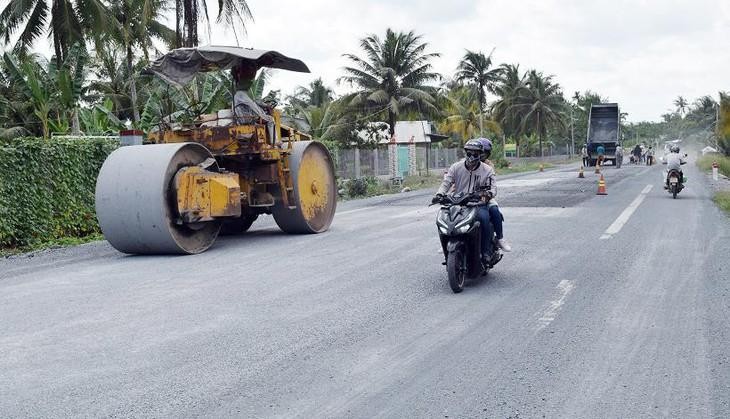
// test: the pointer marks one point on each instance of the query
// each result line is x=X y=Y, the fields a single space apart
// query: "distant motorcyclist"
x=601 y=154
x=467 y=176
x=674 y=162
x=637 y=153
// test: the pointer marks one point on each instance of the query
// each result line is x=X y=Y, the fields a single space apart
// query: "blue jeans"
x=485 y=215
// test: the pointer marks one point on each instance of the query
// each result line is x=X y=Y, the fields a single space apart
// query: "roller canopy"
x=179 y=66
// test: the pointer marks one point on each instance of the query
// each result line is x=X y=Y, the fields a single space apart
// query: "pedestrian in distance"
x=619 y=156
x=649 y=156
x=584 y=155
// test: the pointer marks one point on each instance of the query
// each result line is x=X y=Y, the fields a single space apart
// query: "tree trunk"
x=539 y=136
x=132 y=85
x=75 y=125
x=391 y=121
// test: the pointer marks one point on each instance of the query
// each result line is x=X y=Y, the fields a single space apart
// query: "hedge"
x=47 y=189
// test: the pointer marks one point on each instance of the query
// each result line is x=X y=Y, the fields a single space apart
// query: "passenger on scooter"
x=467 y=176
x=494 y=211
x=674 y=162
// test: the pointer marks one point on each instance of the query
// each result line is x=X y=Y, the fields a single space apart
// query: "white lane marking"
x=565 y=287
x=626 y=214
x=354 y=210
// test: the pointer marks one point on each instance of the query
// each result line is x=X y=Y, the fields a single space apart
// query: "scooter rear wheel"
x=455 y=271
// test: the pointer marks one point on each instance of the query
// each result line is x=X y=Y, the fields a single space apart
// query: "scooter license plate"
x=673 y=180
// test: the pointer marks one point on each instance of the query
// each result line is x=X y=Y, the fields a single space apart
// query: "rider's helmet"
x=473 y=150
x=674 y=149
x=486 y=148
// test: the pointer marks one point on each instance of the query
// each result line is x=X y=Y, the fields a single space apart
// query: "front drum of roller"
x=315 y=191
x=136 y=203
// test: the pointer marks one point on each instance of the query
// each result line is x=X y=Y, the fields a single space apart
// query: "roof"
x=179 y=66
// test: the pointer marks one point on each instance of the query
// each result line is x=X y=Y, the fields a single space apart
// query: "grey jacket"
x=465 y=180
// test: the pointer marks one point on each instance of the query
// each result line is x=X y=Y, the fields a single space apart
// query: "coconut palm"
x=68 y=21
x=510 y=83
x=474 y=69
x=681 y=104
x=393 y=75
x=540 y=104
x=316 y=94
x=138 y=23
x=189 y=12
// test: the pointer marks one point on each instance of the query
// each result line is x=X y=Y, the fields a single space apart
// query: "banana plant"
x=32 y=79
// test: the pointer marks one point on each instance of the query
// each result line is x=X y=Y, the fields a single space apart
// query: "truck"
x=603 y=130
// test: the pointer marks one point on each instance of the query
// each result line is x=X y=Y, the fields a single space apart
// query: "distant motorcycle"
x=459 y=232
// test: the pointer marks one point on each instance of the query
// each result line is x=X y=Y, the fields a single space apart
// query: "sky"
x=641 y=54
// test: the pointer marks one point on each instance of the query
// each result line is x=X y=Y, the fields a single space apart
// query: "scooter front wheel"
x=455 y=270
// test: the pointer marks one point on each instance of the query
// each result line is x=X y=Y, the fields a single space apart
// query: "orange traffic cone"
x=601 y=186
x=598 y=169
x=580 y=172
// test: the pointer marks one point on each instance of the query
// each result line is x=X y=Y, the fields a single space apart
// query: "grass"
x=63 y=242
x=705 y=163
x=722 y=199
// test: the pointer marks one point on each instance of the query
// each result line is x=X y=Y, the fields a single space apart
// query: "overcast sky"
x=641 y=54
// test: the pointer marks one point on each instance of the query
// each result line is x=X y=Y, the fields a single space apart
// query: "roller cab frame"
x=190 y=182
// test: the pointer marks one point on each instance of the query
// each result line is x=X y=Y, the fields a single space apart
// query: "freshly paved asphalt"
x=360 y=321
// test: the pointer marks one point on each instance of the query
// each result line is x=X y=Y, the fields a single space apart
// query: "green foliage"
x=47 y=189
x=723 y=125
x=705 y=163
x=722 y=199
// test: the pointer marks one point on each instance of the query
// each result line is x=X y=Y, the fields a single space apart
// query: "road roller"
x=191 y=181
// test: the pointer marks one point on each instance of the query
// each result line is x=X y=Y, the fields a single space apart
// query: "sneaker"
x=504 y=245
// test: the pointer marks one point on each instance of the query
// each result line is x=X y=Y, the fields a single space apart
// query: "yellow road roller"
x=191 y=181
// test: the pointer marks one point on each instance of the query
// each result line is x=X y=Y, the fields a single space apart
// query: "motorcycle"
x=460 y=236
x=675 y=180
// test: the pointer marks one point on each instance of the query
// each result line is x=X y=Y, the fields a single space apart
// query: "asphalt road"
x=610 y=306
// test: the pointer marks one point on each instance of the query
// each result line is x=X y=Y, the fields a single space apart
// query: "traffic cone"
x=542 y=168
x=601 y=186
x=580 y=172
x=598 y=169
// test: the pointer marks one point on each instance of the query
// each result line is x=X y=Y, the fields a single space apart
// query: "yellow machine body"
x=203 y=195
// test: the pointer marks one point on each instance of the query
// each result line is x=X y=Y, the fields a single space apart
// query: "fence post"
x=376 y=169
x=357 y=162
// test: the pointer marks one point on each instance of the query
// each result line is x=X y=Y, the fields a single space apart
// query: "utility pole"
x=572 y=133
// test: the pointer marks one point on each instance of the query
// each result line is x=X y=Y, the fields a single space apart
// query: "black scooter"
x=459 y=232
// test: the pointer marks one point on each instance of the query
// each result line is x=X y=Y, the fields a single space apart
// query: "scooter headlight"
x=463 y=229
x=443 y=230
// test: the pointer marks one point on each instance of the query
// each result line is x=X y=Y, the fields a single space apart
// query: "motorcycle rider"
x=466 y=176
x=674 y=162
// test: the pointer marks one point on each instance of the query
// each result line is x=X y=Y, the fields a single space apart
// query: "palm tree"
x=510 y=84
x=393 y=76
x=69 y=22
x=316 y=94
x=138 y=24
x=541 y=105
x=474 y=69
x=188 y=14
x=681 y=104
